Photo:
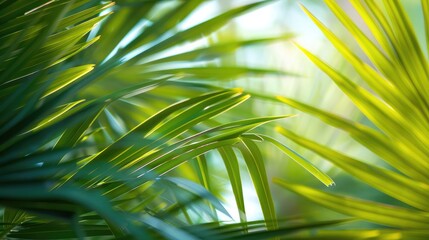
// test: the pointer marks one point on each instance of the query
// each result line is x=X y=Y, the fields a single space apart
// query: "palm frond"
x=395 y=102
x=91 y=134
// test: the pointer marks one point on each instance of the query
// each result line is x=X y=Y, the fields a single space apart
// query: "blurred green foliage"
x=141 y=119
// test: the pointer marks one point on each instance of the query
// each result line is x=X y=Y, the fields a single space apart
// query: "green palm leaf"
x=395 y=102
x=83 y=153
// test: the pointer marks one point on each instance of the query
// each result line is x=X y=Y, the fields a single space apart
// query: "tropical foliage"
x=113 y=115
x=100 y=107
x=393 y=96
